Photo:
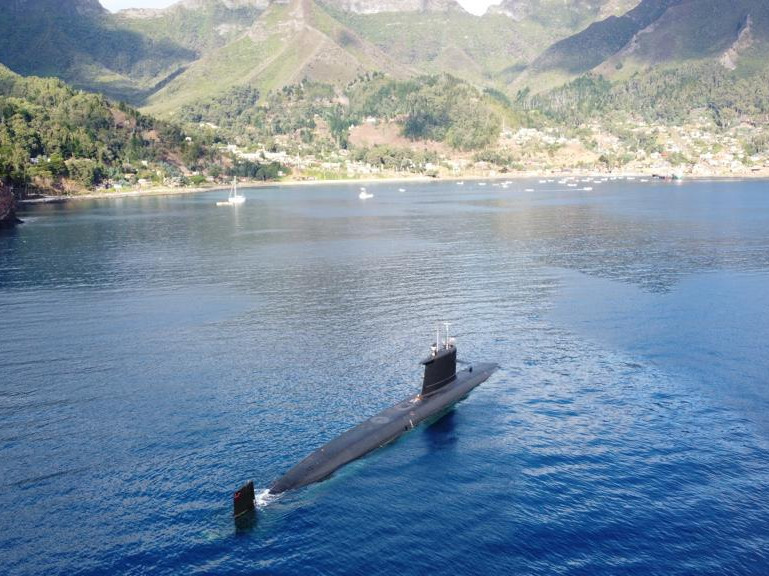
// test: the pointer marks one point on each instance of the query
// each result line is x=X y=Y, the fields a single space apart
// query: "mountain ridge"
x=164 y=59
x=662 y=33
x=291 y=41
x=379 y=6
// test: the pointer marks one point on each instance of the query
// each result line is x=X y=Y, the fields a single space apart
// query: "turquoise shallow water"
x=158 y=352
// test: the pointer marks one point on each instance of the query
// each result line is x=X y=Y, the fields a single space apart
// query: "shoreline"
x=177 y=191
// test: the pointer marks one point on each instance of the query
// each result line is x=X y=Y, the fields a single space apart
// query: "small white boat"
x=234 y=198
x=401 y=189
x=364 y=195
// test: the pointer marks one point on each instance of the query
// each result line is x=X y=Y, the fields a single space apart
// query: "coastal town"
x=637 y=149
x=690 y=151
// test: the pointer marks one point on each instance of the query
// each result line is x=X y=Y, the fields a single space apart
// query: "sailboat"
x=234 y=198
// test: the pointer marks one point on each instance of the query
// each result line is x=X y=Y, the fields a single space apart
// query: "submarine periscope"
x=442 y=387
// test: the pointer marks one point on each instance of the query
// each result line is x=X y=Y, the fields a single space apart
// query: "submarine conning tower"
x=441 y=365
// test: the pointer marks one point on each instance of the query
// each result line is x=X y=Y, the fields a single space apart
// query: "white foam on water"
x=264 y=498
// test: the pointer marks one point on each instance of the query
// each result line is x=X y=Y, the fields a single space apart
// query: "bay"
x=157 y=352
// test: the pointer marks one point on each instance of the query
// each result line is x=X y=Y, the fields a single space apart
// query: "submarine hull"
x=381 y=429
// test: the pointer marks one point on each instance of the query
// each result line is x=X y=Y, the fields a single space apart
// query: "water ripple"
x=164 y=351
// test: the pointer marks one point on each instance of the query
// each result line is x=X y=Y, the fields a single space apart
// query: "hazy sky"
x=474 y=6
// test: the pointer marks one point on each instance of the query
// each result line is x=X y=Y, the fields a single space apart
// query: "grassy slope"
x=206 y=28
x=90 y=50
x=288 y=43
x=687 y=33
x=462 y=44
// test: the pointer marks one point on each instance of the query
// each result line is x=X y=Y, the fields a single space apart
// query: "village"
x=694 y=150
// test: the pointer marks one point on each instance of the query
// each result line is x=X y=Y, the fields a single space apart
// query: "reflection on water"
x=163 y=350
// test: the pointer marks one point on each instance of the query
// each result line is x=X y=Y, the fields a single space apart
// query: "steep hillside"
x=488 y=50
x=601 y=40
x=404 y=6
x=573 y=15
x=734 y=34
x=196 y=50
x=53 y=137
x=197 y=25
x=452 y=41
x=83 y=44
x=663 y=33
x=163 y=59
x=290 y=42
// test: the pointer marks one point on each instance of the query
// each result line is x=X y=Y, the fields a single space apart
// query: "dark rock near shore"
x=7 y=208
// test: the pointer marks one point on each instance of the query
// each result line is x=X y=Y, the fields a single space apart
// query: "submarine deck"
x=380 y=429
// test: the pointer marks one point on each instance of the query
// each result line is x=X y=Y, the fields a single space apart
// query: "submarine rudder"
x=243 y=506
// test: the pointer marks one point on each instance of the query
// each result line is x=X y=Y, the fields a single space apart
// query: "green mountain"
x=199 y=26
x=288 y=43
x=83 y=44
x=335 y=41
x=55 y=137
x=199 y=51
x=664 y=33
x=163 y=59
x=732 y=33
x=572 y=16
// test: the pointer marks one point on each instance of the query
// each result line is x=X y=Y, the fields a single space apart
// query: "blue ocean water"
x=158 y=352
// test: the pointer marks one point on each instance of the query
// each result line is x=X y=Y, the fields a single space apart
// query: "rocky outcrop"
x=379 y=6
x=744 y=40
x=71 y=7
x=7 y=208
x=572 y=14
x=192 y=6
x=601 y=40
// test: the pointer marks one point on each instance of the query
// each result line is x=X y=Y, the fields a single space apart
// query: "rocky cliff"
x=576 y=13
x=380 y=6
x=74 y=7
x=7 y=208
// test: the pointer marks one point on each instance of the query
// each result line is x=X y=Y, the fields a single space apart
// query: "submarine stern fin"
x=243 y=508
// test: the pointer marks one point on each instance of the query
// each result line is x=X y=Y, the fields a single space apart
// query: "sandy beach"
x=559 y=174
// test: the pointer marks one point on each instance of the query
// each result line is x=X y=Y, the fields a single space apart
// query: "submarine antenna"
x=446 y=345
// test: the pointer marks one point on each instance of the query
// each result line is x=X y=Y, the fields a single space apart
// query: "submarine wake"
x=442 y=387
x=264 y=498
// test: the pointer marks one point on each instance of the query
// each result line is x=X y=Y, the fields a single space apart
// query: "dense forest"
x=311 y=117
x=55 y=137
x=667 y=96
x=52 y=136
x=440 y=108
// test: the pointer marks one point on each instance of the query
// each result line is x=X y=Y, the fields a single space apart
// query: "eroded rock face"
x=378 y=6
x=744 y=41
x=77 y=7
x=7 y=208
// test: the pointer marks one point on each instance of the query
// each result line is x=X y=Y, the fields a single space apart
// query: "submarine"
x=442 y=387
